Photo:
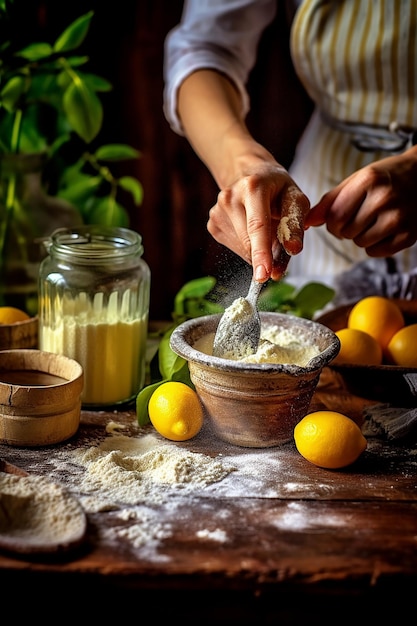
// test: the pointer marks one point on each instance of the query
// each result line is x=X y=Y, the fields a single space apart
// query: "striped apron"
x=358 y=61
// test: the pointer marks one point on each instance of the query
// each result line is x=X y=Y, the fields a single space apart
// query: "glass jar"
x=94 y=290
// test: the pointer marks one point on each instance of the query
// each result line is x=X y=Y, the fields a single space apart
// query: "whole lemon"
x=358 y=347
x=378 y=316
x=329 y=439
x=11 y=315
x=175 y=411
x=402 y=348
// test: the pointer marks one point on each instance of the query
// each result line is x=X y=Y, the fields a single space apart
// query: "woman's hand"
x=260 y=211
x=376 y=206
x=260 y=217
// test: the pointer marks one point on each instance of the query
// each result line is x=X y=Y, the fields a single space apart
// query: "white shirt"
x=345 y=56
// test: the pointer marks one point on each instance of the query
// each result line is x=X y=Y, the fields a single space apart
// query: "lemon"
x=378 y=316
x=329 y=439
x=175 y=411
x=402 y=349
x=358 y=347
x=11 y=315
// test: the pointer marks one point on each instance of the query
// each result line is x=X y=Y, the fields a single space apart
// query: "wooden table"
x=306 y=545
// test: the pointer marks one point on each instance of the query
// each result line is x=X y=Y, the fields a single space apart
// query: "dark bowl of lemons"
x=378 y=348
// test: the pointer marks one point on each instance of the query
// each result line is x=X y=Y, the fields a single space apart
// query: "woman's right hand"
x=260 y=217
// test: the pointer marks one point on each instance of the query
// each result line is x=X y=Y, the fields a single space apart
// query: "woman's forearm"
x=210 y=110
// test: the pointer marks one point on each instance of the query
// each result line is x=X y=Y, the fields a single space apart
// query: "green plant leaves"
x=13 y=91
x=74 y=34
x=116 y=152
x=36 y=51
x=134 y=187
x=83 y=110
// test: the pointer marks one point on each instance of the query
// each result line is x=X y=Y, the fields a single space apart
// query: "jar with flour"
x=94 y=291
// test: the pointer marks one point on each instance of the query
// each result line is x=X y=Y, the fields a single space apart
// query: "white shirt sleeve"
x=214 y=34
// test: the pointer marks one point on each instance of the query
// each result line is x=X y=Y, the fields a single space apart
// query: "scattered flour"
x=38 y=512
x=214 y=535
x=130 y=470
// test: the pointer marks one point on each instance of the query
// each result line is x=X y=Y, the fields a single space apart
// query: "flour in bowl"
x=276 y=345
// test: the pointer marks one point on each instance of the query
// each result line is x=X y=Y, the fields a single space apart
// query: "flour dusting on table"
x=132 y=470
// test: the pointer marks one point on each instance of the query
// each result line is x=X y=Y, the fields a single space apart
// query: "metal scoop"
x=239 y=329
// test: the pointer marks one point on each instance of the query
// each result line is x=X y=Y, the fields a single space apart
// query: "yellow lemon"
x=358 y=347
x=11 y=315
x=329 y=439
x=175 y=411
x=378 y=316
x=402 y=348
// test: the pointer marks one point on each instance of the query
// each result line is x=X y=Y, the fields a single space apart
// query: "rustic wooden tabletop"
x=251 y=535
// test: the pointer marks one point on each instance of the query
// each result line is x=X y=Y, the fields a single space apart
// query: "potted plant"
x=53 y=172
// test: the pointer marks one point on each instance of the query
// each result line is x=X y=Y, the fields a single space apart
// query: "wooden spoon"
x=37 y=516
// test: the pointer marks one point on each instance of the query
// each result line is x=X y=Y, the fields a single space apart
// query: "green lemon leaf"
x=169 y=362
x=83 y=110
x=313 y=297
x=74 y=34
x=190 y=300
x=142 y=401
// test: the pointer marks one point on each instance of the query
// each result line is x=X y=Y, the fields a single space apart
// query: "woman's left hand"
x=376 y=206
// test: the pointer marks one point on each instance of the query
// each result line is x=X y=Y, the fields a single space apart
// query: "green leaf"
x=78 y=192
x=142 y=401
x=191 y=297
x=84 y=110
x=36 y=51
x=74 y=34
x=13 y=91
x=116 y=152
x=313 y=297
x=169 y=362
x=275 y=294
x=109 y=212
x=128 y=183
x=97 y=83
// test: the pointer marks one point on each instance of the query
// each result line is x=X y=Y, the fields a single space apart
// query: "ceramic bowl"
x=254 y=404
x=382 y=383
x=19 y=335
x=40 y=397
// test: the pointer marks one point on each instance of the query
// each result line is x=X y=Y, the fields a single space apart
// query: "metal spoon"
x=239 y=329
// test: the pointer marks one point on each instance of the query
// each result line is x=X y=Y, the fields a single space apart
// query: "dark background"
x=125 y=46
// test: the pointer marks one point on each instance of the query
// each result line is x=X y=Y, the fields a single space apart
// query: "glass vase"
x=27 y=215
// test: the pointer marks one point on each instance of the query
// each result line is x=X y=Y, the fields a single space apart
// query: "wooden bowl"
x=254 y=405
x=383 y=383
x=19 y=335
x=40 y=397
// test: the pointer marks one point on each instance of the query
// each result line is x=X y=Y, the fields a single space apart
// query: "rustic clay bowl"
x=19 y=335
x=40 y=397
x=382 y=383
x=254 y=404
